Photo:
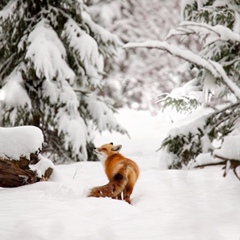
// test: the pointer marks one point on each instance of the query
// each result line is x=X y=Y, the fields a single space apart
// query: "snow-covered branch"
x=215 y=68
x=47 y=53
x=222 y=32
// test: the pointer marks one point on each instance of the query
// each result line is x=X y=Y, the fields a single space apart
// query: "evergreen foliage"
x=216 y=24
x=197 y=136
x=51 y=64
x=216 y=88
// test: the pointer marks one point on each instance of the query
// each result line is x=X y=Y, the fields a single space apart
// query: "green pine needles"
x=217 y=27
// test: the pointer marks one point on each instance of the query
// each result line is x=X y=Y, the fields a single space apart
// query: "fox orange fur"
x=121 y=172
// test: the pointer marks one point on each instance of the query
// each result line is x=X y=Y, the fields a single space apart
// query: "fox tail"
x=113 y=189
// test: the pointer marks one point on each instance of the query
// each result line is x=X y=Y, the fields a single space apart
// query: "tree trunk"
x=16 y=173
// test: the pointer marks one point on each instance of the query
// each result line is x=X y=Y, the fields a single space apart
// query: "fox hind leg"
x=119 y=197
x=127 y=193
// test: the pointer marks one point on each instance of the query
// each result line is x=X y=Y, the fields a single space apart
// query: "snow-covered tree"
x=51 y=64
x=216 y=87
x=139 y=75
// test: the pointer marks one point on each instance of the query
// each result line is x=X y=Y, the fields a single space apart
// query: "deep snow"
x=186 y=204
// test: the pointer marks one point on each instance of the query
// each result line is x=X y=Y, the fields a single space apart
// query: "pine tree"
x=51 y=64
x=217 y=25
x=216 y=88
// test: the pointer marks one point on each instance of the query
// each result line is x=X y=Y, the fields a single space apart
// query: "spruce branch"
x=192 y=25
x=213 y=67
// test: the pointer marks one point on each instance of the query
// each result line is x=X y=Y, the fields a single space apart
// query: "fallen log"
x=14 y=168
x=15 y=173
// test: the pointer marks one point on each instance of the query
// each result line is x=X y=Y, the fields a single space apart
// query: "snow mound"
x=20 y=141
x=43 y=165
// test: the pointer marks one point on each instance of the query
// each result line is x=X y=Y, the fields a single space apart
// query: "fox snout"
x=95 y=150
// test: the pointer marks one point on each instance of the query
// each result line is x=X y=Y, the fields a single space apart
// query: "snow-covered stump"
x=19 y=145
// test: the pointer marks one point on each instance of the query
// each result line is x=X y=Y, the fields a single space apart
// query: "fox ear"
x=116 y=148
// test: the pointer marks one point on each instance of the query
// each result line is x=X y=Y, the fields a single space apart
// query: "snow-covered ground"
x=186 y=204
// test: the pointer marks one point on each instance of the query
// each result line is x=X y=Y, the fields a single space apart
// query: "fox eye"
x=104 y=149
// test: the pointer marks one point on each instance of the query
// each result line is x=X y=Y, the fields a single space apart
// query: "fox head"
x=107 y=150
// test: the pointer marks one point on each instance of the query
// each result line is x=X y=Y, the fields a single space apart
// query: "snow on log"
x=16 y=142
x=44 y=168
x=17 y=146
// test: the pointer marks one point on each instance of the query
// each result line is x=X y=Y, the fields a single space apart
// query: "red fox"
x=121 y=172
